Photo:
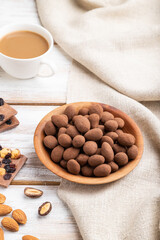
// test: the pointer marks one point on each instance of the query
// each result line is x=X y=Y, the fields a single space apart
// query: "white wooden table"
x=33 y=99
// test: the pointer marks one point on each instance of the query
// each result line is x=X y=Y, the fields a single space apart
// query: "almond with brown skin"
x=1 y=234
x=10 y=224
x=33 y=192
x=19 y=216
x=2 y=198
x=5 y=209
x=29 y=237
x=45 y=209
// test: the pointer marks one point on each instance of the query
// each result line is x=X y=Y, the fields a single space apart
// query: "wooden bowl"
x=130 y=127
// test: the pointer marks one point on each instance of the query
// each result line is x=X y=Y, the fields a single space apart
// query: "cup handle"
x=45 y=70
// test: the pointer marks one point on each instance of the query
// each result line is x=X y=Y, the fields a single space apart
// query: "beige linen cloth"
x=118 y=44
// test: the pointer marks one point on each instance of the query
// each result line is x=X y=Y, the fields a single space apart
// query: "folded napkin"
x=118 y=44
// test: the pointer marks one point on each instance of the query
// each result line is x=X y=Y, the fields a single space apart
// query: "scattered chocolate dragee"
x=91 y=142
x=33 y=192
x=45 y=209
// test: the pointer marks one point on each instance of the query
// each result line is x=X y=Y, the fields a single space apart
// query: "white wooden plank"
x=18 y=11
x=39 y=89
x=21 y=137
x=59 y=224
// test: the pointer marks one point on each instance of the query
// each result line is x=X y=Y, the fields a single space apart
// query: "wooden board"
x=59 y=224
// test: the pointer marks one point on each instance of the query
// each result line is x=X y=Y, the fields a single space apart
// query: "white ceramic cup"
x=24 y=68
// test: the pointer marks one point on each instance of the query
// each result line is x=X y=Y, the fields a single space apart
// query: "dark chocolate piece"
x=7 y=111
x=5 y=126
x=16 y=165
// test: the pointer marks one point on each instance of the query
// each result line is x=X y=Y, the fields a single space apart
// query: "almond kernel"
x=29 y=237
x=5 y=209
x=1 y=234
x=10 y=224
x=19 y=216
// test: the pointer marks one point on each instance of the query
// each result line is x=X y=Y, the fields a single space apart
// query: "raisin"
x=1 y=102
x=1 y=117
x=12 y=165
x=7 y=166
x=6 y=161
x=1 y=147
x=10 y=170
x=7 y=176
x=9 y=122
x=8 y=155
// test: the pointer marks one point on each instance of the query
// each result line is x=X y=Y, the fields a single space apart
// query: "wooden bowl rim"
x=58 y=170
